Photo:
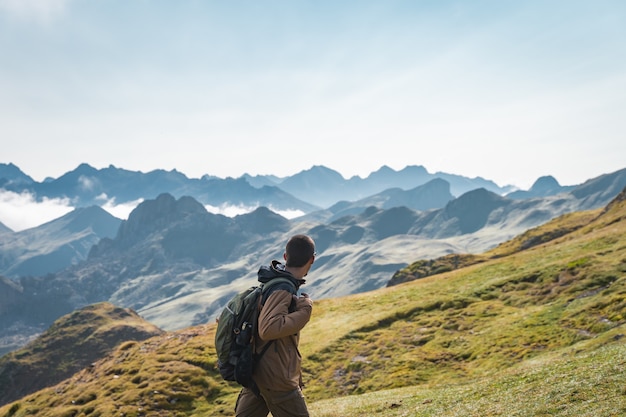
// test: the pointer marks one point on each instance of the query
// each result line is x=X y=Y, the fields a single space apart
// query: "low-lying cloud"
x=289 y=214
x=232 y=211
x=122 y=210
x=22 y=211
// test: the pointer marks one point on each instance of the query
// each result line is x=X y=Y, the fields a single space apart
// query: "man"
x=278 y=373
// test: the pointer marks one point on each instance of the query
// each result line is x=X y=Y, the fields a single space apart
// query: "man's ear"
x=285 y=256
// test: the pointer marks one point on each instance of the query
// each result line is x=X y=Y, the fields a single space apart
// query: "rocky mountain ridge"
x=177 y=264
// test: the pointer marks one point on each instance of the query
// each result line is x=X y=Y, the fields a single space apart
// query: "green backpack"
x=236 y=330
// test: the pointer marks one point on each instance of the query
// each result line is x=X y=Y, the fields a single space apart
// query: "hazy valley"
x=176 y=264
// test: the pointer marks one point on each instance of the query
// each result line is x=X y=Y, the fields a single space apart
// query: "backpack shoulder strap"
x=278 y=283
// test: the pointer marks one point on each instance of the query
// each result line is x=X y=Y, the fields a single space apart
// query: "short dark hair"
x=300 y=248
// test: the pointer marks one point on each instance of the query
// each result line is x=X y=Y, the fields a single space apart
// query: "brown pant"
x=280 y=403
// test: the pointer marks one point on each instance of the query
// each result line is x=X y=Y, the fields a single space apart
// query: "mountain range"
x=306 y=191
x=47 y=249
x=177 y=263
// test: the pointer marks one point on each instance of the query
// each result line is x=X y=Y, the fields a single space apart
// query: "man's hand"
x=304 y=301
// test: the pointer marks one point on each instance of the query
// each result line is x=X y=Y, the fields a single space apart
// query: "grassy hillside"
x=531 y=330
x=73 y=342
x=472 y=322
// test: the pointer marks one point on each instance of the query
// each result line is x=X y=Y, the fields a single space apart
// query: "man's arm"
x=275 y=320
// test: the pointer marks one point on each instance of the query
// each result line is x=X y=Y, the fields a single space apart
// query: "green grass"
x=71 y=343
x=471 y=324
x=568 y=384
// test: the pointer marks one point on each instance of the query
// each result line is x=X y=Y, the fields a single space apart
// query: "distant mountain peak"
x=10 y=173
x=473 y=208
x=384 y=168
x=322 y=170
x=85 y=168
x=262 y=221
x=315 y=176
x=545 y=184
x=479 y=195
x=416 y=169
x=153 y=214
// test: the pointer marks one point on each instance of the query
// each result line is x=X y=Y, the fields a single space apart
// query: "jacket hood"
x=275 y=270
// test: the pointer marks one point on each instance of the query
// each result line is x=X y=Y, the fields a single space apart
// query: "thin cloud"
x=229 y=210
x=22 y=211
x=289 y=214
x=38 y=10
x=232 y=211
x=86 y=183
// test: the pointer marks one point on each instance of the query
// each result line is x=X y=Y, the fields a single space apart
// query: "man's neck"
x=297 y=272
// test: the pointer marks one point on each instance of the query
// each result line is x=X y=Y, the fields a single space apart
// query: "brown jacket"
x=280 y=367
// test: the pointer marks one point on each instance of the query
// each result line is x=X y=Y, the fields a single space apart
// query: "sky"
x=504 y=90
